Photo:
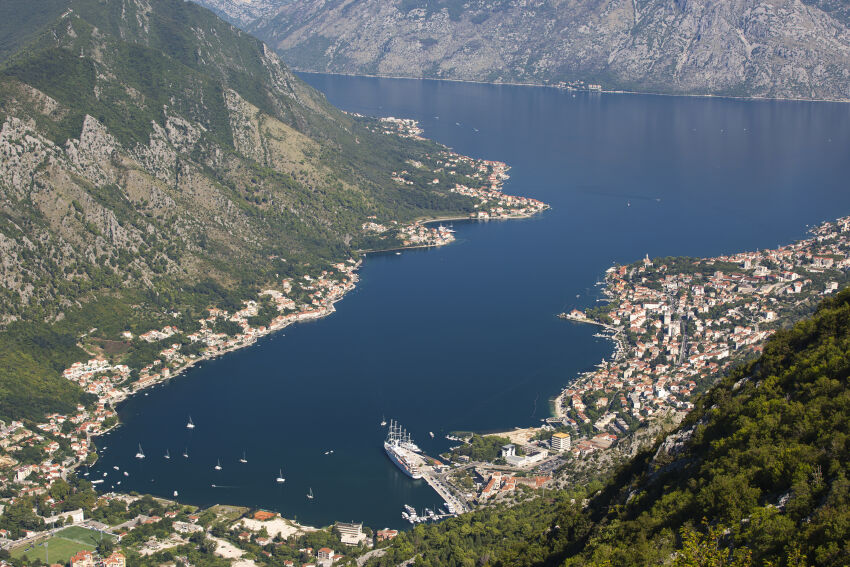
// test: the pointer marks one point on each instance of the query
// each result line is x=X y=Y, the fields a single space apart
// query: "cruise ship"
x=402 y=450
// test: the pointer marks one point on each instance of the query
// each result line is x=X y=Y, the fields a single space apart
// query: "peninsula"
x=678 y=325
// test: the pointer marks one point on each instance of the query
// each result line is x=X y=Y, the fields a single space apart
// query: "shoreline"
x=329 y=310
x=603 y=91
x=113 y=382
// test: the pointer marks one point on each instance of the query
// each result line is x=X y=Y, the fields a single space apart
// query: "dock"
x=456 y=505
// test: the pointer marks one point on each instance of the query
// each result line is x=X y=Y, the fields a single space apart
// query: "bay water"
x=465 y=337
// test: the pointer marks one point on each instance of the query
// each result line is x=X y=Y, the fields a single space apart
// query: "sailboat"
x=280 y=478
x=218 y=465
x=310 y=494
x=140 y=454
x=190 y=425
x=186 y=453
x=167 y=456
x=383 y=421
x=243 y=459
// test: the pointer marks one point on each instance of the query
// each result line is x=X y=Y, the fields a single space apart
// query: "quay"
x=456 y=505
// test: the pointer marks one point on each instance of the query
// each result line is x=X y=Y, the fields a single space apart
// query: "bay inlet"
x=464 y=337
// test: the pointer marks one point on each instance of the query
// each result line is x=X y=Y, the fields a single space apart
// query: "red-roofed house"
x=82 y=559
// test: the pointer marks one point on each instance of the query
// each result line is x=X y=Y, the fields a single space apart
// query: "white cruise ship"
x=402 y=450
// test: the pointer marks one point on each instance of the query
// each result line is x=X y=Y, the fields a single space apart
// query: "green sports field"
x=62 y=545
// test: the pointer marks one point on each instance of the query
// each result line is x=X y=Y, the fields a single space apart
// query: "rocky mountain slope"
x=761 y=48
x=156 y=161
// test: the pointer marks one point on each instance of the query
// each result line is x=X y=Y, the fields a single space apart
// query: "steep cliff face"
x=764 y=48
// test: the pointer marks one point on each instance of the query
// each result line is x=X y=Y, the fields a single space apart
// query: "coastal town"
x=41 y=492
x=679 y=323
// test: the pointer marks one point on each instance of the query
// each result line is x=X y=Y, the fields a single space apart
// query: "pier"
x=456 y=505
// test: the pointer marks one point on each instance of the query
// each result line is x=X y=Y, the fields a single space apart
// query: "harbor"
x=407 y=456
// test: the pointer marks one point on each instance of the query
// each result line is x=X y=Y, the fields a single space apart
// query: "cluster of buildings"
x=414 y=235
x=492 y=203
x=404 y=127
x=64 y=441
x=579 y=86
x=61 y=443
x=678 y=324
x=98 y=376
x=90 y=559
x=500 y=482
x=269 y=530
x=529 y=458
x=418 y=234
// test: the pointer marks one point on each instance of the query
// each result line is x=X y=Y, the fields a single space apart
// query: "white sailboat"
x=310 y=494
x=167 y=456
x=190 y=425
x=186 y=453
x=243 y=459
x=218 y=465
x=383 y=421
x=280 y=478
x=140 y=454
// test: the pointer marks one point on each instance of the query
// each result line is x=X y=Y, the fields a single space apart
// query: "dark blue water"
x=465 y=337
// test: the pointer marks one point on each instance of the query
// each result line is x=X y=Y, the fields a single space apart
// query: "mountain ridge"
x=751 y=48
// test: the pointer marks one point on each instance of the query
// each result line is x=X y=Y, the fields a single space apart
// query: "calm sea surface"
x=465 y=337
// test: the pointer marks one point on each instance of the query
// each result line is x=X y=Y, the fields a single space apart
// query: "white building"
x=350 y=533
x=561 y=442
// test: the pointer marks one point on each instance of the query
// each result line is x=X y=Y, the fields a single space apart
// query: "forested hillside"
x=758 y=474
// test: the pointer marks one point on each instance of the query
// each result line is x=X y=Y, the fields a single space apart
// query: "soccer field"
x=82 y=535
x=59 y=550
x=61 y=546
